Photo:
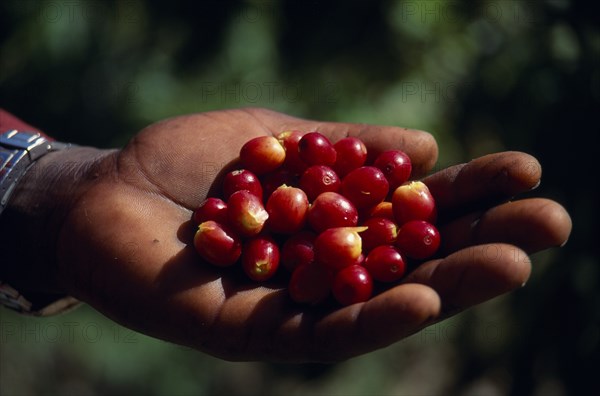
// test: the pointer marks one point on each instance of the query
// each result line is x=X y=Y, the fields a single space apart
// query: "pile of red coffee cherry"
x=319 y=211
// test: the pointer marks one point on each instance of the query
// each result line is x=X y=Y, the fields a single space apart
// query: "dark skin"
x=117 y=232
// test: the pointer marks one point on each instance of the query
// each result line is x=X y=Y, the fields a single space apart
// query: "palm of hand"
x=126 y=245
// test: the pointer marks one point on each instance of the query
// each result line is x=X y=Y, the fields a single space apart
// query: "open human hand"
x=125 y=244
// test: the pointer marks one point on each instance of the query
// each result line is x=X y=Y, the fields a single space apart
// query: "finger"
x=483 y=181
x=531 y=224
x=278 y=329
x=379 y=322
x=474 y=275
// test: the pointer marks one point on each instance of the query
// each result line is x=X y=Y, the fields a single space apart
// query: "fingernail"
x=564 y=243
x=536 y=185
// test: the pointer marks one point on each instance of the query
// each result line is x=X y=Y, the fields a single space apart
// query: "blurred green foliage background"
x=481 y=76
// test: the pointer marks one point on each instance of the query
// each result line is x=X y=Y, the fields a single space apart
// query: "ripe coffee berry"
x=382 y=209
x=418 y=239
x=413 y=201
x=338 y=247
x=310 y=283
x=262 y=154
x=396 y=167
x=260 y=258
x=319 y=179
x=348 y=238
x=287 y=208
x=241 y=179
x=331 y=210
x=316 y=149
x=217 y=244
x=298 y=250
x=289 y=140
x=351 y=154
x=211 y=209
x=385 y=263
x=380 y=231
x=365 y=187
x=245 y=213
x=352 y=285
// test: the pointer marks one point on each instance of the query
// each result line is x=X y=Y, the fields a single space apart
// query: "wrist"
x=32 y=220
